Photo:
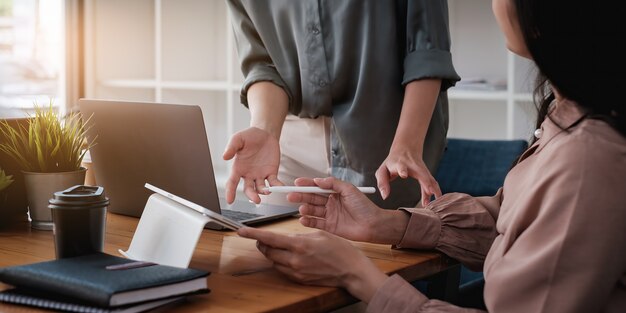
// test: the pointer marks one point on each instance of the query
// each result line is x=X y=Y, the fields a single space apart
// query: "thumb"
x=338 y=185
x=234 y=145
x=324 y=183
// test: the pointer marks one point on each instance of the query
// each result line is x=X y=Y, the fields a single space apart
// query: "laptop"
x=164 y=145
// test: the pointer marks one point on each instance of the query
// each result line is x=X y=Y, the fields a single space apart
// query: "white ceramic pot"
x=39 y=189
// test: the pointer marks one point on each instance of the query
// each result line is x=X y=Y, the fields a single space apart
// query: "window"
x=32 y=54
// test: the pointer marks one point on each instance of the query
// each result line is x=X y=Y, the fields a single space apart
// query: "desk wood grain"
x=241 y=279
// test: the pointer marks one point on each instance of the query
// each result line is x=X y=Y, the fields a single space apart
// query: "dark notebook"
x=87 y=280
x=23 y=297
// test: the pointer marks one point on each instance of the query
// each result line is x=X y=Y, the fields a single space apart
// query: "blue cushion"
x=477 y=167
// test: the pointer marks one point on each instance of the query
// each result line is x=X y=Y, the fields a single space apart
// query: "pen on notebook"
x=130 y=265
x=311 y=189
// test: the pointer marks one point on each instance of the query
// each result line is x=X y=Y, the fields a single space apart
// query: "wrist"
x=364 y=281
x=389 y=227
x=401 y=143
x=272 y=130
x=420 y=99
x=268 y=106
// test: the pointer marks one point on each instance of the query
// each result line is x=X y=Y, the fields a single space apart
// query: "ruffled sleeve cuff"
x=423 y=229
x=456 y=224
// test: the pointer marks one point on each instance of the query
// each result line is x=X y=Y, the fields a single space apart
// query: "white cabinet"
x=499 y=105
x=172 y=51
x=182 y=51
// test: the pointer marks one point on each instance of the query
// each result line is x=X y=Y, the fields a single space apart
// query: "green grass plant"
x=49 y=144
x=5 y=180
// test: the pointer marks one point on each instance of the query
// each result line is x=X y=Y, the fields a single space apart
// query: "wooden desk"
x=242 y=280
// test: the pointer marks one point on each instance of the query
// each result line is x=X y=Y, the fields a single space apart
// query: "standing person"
x=553 y=238
x=355 y=89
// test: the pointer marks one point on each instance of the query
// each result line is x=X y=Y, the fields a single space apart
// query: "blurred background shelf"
x=173 y=51
x=479 y=53
x=186 y=85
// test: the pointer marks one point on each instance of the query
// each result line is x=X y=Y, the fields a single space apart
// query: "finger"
x=278 y=256
x=425 y=197
x=402 y=171
x=304 y=181
x=436 y=190
x=428 y=184
x=259 y=185
x=311 y=198
x=382 y=177
x=231 y=187
x=249 y=190
x=244 y=232
x=312 y=210
x=312 y=222
x=234 y=144
x=337 y=185
x=430 y=189
x=288 y=271
x=274 y=181
x=268 y=238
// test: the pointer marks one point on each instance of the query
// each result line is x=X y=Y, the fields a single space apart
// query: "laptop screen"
x=161 y=144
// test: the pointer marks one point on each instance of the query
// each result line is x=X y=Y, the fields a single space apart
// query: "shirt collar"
x=563 y=115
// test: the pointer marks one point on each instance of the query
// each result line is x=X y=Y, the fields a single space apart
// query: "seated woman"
x=553 y=239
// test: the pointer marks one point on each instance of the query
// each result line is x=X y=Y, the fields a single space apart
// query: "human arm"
x=348 y=213
x=256 y=150
x=319 y=258
x=428 y=70
x=398 y=296
x=323 y=259
x=256 y=63
x=458 y=225
x=405 y=156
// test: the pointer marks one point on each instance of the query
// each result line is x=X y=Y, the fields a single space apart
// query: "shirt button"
x=315 y=29
x=321 y=83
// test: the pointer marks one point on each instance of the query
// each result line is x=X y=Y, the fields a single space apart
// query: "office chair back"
x=477 y=168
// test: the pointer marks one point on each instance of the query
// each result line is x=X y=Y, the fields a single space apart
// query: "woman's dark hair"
x=579 y=48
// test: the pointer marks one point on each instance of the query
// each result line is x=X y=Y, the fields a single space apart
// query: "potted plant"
x=14 y=204
x=5 y=181
x=49 y=151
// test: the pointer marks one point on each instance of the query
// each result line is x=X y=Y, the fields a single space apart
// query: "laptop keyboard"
x=239 y=216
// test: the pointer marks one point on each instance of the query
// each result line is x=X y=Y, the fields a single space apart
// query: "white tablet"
x=216 y=217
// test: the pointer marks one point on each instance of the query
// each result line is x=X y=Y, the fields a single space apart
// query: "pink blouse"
x=553 y=239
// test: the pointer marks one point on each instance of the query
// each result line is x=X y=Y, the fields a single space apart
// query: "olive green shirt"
x=350 y=59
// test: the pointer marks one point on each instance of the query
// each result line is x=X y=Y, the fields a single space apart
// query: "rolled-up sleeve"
x=428 y=43
x=461 y=226
x=256 y=63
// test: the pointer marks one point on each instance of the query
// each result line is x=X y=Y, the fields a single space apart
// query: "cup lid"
x=80 y=194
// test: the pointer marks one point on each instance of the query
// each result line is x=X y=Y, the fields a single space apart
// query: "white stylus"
x=311 y=189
